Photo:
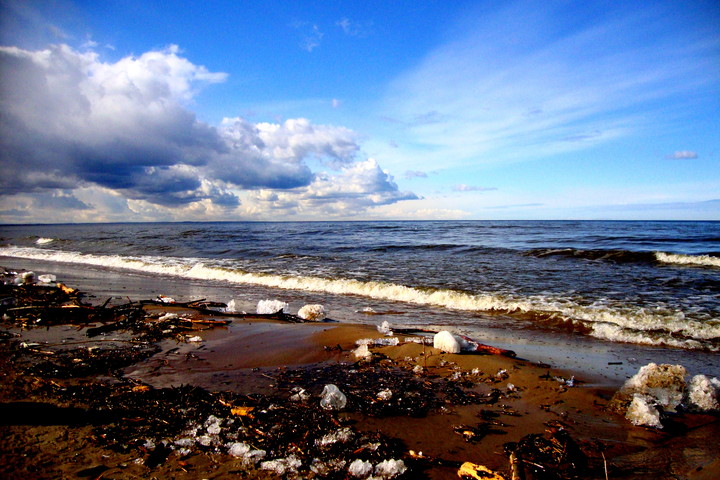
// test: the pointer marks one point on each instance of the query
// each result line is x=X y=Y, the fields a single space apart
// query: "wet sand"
x=255 y=356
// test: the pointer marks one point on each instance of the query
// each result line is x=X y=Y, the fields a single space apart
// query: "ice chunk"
x=282 y=466
x=231 y=307
x=363 y=352
x=642 y=412
x=195 y=338
x=164 y=299
x=342 y=435
x=268 y=307
x=47 y=278
x=313 y=313
x=384 y=328
x=663 y=383
x=447 y=342
x=385 y=394
x=703 y=393
x=168 y=316
x=299 y=395
x=26 y=278
x=332 y=398
x=360 y=468
x=244 y=451
x=390 y=468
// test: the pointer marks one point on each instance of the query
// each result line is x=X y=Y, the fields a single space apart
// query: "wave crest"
x=611 y=322
x=695 y=260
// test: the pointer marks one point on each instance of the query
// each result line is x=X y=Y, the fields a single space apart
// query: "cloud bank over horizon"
x=78 y=132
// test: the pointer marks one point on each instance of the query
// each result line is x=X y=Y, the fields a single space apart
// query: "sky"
x=359 y=110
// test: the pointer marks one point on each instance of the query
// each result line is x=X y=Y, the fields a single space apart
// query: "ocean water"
x=556 y=290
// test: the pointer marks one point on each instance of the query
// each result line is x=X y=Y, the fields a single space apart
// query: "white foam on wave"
x=695 y=260
x=44 y=241
x=615 y=323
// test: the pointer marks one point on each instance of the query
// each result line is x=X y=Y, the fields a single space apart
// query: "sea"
x=598 y=297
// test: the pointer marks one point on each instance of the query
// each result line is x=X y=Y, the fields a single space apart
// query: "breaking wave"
x=695 y=260
x=627 y=256
x=620 y=323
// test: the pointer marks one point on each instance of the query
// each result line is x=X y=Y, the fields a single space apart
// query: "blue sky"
x=315 y=110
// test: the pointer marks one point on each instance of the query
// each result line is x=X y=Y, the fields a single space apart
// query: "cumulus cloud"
x=683 y=155
x=72 y=121
x=352 y=191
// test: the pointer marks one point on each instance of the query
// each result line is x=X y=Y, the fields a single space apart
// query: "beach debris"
x=475 y=434
x=313 y=313
x=469 y=470
x=165 y=299
x=270 y=307
x=332 y=398
x=553 y=455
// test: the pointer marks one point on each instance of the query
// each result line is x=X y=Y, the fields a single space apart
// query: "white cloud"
x=357 y=188
x=525 y=83
x=683 y=155
x=71 y=121
x=461 y=187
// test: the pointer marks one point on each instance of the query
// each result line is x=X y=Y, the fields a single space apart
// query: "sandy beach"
x=193 y=402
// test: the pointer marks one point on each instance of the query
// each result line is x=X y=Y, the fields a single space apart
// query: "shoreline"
x=607 y=363
x=455 y=408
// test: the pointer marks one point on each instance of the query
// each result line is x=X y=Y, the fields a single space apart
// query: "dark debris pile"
x=289 y=433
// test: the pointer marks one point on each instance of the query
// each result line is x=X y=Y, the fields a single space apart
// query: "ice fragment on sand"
x=449 y=343
x=332 y=398
x=342 y=435
x=231 y=307
x=390 y=468
x=281 y=466
x=360 y=468
x=47 y=278
x=313 y=313
x=642 y=412
x=26 y=278
x=268 y=307
x=663 y=383
x=244 y=451
x=704 y=393
x=385 y=394
x=362 y=352
x=195 y=338
x=168 y=316
x=384 y=328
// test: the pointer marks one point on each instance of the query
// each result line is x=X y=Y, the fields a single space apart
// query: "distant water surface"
x=649 y=284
